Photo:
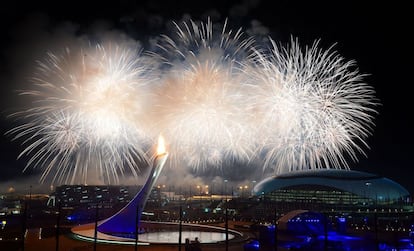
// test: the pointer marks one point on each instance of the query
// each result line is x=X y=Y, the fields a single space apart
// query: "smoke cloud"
x=38 y=33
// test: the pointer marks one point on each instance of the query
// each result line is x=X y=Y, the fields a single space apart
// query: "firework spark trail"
x=88 y=115
x=201 y=102
x=220 y=98
x=314 y=106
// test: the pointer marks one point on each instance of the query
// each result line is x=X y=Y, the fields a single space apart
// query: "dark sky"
x=375 y=33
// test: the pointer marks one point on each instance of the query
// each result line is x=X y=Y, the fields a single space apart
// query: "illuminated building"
x=333 y=190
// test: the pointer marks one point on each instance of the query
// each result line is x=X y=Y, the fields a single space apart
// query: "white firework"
x=88 y=115
x=314 y=106
x=95 y=111
x=200 y=104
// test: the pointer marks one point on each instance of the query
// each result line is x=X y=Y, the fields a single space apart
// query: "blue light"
x=253 y=245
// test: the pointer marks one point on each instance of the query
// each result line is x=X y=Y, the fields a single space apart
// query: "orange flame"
x=161 y=145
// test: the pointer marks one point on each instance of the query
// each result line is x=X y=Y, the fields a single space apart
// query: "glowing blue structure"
x=373 y=187
x=126 y=221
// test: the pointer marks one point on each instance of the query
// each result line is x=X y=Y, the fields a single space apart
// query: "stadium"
x=334 y=190
x=353 y=202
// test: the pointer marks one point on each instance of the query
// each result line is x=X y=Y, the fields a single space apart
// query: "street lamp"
x=225 y=188
x=199 y=193
x=242 y=189
x=226 y=217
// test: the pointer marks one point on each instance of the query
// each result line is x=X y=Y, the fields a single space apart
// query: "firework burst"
x=200 y=102
x=88 y=114
x=214 y=95
x=315 y=108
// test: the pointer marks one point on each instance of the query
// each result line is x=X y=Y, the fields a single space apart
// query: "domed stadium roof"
x=356 y=182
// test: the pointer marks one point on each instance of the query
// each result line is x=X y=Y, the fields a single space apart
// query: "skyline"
x=359 y=38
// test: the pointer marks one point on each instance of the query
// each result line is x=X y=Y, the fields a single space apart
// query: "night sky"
x=375 y=34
